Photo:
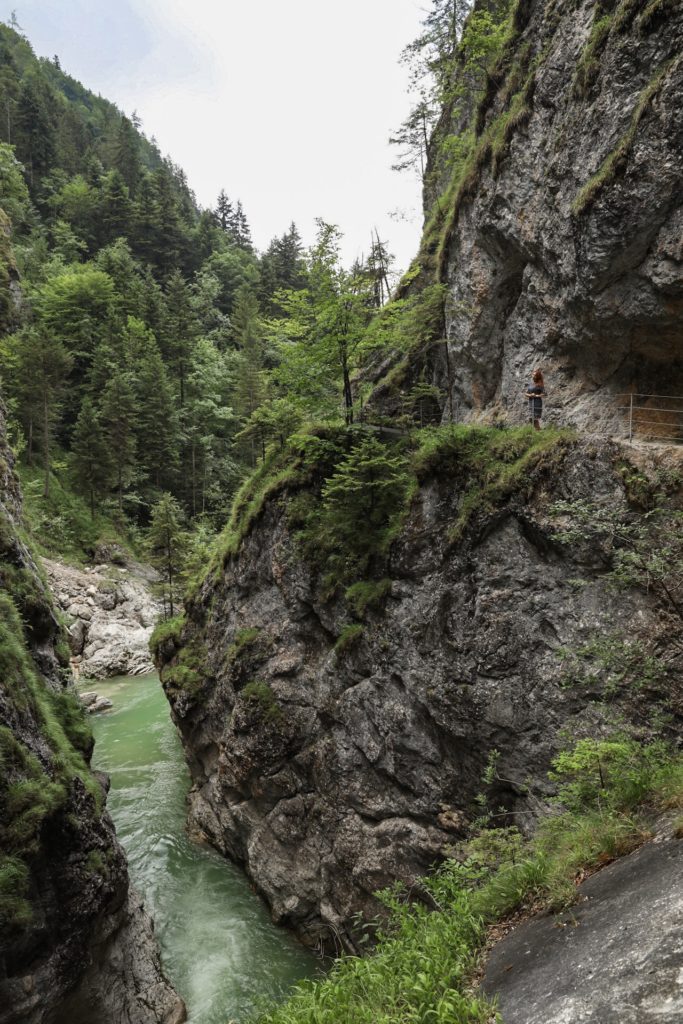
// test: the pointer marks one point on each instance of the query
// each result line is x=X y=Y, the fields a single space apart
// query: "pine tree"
x=90 y=457
x=224 y=212
x=250 y=385
x=430 y=59
x=379 y=264
x=167 y=545
x=126 y=153
x=239 y=229
x=35 y=127
x=115 y=208
x=360 y=502
x=48 y=365
x=180 y=328
x=157 y=429
x=118 y=415
x=282 y=267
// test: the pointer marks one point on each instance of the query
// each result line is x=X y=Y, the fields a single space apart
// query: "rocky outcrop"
x=336 y=746
x=614 y=958
x=110 y=613
x=331 y=758
x=124 y=983
x=71 y=929
x=560 y=242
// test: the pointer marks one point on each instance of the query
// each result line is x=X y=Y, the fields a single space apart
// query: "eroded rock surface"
x=110 y=612
x=590 y=291
x=331 y=773
x=614 y=958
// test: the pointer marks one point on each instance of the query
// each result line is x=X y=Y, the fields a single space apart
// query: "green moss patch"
x=348 y=638
x=186 y=674
x=367 y=595
x=166 y=631
x=260 y=695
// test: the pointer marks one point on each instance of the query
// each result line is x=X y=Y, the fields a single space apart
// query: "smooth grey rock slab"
x=614 y=958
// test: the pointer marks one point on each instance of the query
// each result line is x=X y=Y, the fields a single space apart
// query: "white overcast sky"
x=287 y=104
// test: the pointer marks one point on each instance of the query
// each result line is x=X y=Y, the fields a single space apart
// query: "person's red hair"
x=537 y=377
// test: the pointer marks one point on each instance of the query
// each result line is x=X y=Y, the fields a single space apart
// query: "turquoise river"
x=219 y=946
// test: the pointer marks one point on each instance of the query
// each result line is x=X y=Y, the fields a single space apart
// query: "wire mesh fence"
x=652 y=417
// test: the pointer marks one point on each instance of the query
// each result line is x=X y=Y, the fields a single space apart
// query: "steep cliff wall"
x=338 y=743
x=558 y=234
x=75 y=943
x=337 y=737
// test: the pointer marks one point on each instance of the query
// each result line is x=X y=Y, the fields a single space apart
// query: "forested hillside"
x=147 y=349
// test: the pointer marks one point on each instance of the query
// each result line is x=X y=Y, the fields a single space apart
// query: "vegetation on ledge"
x=616 y=161
x=348 y=492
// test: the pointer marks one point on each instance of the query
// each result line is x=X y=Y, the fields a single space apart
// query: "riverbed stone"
x=100 y=704
x=113 y=618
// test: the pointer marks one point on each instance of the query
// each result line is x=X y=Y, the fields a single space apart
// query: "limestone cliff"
x=334 y=747
x=338 y=743
x=559 y=236
x=75 y=943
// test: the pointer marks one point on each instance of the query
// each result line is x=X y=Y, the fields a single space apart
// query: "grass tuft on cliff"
x=615 y=162
x=489 y=465
x=421 y=970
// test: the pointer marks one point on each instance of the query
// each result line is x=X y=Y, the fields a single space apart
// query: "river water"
x=219 y=946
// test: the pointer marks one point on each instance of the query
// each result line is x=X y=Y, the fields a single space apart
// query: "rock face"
x=110 y=614
x=330 y=770
x=615 y=958
x=541 y=270
x=331 y=757
x=70 y=926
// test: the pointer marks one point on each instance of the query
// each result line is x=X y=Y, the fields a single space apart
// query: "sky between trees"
x=287 y=105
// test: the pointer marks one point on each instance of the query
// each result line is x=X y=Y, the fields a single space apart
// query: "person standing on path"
x=535 y=394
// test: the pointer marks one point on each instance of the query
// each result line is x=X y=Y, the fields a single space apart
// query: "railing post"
x=630 y=420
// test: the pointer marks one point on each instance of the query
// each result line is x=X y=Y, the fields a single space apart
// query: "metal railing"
x=654 y=417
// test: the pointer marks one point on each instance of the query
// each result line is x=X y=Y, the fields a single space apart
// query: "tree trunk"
x=348 y=397
x=348 y=393
x=170 y=573
x=46 y=438
x=194 y=480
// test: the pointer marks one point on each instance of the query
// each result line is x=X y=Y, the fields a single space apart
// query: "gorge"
x=423 y=660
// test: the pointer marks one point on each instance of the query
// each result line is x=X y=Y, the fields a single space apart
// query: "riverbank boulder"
x=110 y=611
